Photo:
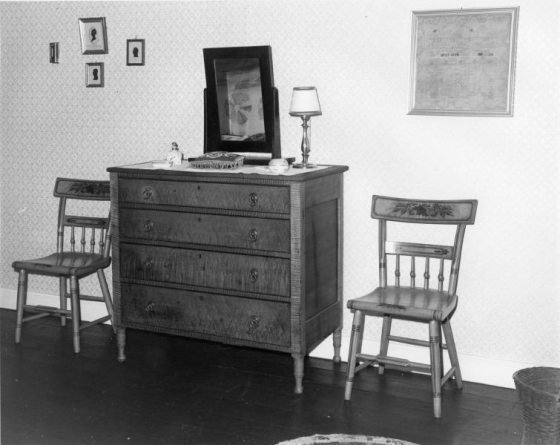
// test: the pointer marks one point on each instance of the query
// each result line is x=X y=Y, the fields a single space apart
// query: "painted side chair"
x=83 y=249
x=416 y=302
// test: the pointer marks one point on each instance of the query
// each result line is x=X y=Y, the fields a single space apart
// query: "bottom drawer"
x=266 y=322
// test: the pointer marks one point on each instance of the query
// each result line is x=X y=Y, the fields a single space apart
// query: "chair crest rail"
x=422 y=211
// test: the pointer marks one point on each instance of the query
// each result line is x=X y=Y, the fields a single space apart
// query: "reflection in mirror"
x=239 y=90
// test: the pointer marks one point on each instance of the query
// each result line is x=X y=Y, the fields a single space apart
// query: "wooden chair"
x=74 y=259
x=423 y=304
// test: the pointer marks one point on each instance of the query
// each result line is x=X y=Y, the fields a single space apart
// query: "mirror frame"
x=212 y=135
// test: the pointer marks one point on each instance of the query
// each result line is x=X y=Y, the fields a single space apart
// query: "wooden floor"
x=179 y=391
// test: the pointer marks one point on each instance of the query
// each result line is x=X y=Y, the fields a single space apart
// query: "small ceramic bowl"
x=278 y=165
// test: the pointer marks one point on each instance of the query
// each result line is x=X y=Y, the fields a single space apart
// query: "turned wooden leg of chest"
x=298 y=372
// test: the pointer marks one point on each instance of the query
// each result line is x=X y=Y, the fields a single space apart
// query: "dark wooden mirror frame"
x=213 y=140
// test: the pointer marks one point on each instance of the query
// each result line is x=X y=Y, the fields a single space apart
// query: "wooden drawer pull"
x=253 y=199
x=253 y=324
x=148 y=226
x=147 y=193
x=253 y=235
x=254 y=275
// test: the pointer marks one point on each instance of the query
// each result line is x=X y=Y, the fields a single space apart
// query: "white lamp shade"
x=305 y=102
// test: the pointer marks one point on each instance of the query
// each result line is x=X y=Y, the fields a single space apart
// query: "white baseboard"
x=475 y=369
x=483 y=370
x=90 y=310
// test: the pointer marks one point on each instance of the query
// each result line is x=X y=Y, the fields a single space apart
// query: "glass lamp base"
x=301 y=165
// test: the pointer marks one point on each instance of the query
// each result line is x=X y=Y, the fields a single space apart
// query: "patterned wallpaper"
x=357 y=54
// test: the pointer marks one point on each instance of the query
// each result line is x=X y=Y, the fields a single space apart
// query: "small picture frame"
x=53 y=52
x=135 y=52
x=95 y=76
x=93 y=35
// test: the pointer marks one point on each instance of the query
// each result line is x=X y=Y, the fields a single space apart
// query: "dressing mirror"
x=241 y=103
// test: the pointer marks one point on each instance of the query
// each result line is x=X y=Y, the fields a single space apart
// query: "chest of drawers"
x=240 y=258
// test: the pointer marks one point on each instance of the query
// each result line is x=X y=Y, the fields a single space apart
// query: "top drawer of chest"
x=248 y=197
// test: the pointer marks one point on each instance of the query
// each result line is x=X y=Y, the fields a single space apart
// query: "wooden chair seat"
x=83 y=248
x=417 y=302
x=406 y=303
x=65 y=264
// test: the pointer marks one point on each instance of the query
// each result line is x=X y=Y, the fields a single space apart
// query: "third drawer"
x=201 y=268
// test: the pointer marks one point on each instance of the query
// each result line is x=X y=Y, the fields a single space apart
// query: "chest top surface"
x=242 y=174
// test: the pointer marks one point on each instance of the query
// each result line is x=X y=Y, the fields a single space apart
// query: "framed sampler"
x=463 y=62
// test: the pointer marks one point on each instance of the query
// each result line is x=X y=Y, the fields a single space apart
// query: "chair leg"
x=63 y=305
x=106 y=296
x=436 y=365
x=76 y=316
x=452 y=350
x=385 y=332
x=355 y=346
x=21 y=301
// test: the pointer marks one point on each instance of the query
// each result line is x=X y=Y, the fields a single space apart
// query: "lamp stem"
x=305 y=146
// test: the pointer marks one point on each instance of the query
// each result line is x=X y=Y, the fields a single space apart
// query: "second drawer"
x=215 y=230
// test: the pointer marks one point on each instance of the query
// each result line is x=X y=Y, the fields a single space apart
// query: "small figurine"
x=175 y=156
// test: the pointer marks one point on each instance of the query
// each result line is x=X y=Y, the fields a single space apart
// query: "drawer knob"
x=253 y=199
x=147 y=193
x=254 y=275
x=254 y=323
x=253 y=235
x=148 y=226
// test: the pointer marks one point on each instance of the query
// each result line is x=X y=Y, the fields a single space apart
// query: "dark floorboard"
x=174 y=390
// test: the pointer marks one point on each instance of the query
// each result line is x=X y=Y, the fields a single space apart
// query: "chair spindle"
x=72 y=240
x=413 y=271
x=83 y=241
x=441 y=277
x=397 y=270
x=427 y=274
x=92 y=241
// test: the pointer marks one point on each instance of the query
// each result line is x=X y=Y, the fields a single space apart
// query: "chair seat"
x=64 y=264
x=407 y=303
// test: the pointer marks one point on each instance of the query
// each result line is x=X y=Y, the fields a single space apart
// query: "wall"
x=357 y=53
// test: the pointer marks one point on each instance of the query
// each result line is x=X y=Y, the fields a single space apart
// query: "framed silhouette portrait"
x=95 y=77
x=93 y=35
x=135 y=52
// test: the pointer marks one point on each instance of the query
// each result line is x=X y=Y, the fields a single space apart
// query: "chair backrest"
x=88 y=234
x=454 y=213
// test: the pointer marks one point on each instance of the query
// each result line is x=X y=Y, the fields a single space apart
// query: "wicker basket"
x=539 y=393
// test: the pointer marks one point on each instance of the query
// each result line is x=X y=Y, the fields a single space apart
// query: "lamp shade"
x=305 y=102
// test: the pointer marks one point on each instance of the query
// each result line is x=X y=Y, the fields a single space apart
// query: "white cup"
x=278 y=165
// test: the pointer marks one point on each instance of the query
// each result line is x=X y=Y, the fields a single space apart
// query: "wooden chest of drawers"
x=240 y=258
